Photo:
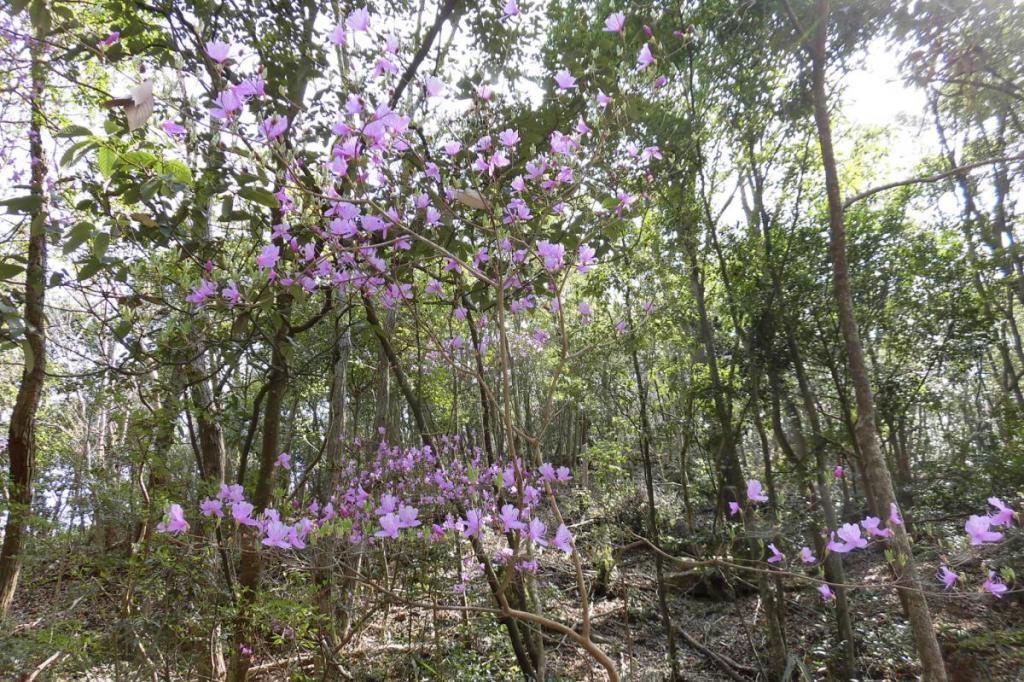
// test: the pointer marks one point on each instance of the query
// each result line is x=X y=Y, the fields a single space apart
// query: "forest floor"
x=74 y=617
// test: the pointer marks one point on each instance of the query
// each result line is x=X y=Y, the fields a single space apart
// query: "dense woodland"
x=515 y=339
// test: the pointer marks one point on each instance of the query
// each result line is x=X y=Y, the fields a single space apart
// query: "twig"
x=729 y=666
x=34 y=673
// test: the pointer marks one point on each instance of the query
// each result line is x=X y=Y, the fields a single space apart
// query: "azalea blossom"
x=274 y=127
x=807 y=556
x=871 y=525
x=212 y=508
x=615 y=23
x=894 y=515
x=977 y=528
x=646 y=58
x=776 y=556
x=994 y=586
x=359 y=20
x=838 y=471
x=850 y=534
x=173 y=129
x=242 y=513
x=563 y=539
x=734 y=508
x=565 y=80
x=389 y=525
x=755 y=491
x=174 y=522
x=826 y=592
x=948 y=577
x=1003 y=517
x=218 y=51
x=284 y=460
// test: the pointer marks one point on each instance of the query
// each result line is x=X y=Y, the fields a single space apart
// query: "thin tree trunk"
x=875 y=469
x=21 y=438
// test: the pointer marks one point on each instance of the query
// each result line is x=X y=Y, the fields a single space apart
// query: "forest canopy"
x=515 y=339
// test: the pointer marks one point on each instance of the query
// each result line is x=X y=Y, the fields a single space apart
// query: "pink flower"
x=838 y=471
x=435 y=87
x=471 y=526
x=212 y=508
x=407 y=516
x=218 y=51
x=274 y=127
x=615 y=23
x=173 y=129
x=754 y=491
x=826 y=592
x=242 y=513
x=174 y=522
x=563 y=539
x=807 y=556
x=510 y=518
x=776 y=556
x=511 y=9
x=565 y=80
x=871 y=523
x=948 y=577
x=338 y=36
x=894 y=515
x=553 y=255
x=277 y=535
x=977 y=528
x=994 y=586
x=603 y=100
x=268 y=257
x=228 y=102
x=536 y=530
x=111 y=38
x=1004 y=517
x=645 y=58
x=359 y=20
x=284 y=460
x=734 y=508
x=850 y=534
x=389 y=525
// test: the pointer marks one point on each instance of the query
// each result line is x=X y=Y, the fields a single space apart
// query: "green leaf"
x=8 y=270
x=79 y=233
x=90 y=268
x=100 y=243
x=178 y=170
x=75 y=152
x=74 y=131
x=24 y=205
x=260 y=196
x=105 y=160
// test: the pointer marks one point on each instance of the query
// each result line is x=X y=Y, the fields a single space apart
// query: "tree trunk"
x=876 y=472
x=21 y=438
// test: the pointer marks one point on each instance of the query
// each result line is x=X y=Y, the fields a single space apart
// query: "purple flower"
x=977 y=528
x=277 y=535
x=231 y=493
x=471 y=526
x=111 y=38
x=218 y=51
x=435 y=87
x=547 y=472
x=359 y=20
x=510 y=518
x=174 y=522
x=508 y=137
x=585 y=258
x=212 y=508
x=838 y=471
x=948 y=577
x=615 y=23
x=565 y=80
x=754 y=491
x=389 y=524
x=274 y=127
x=646 y=58
x=894 y=515
x=536 y=531
x=850 y=535
x=603 y=100
x=734 y=508
x=338 y=36
x=1004 y=517
x=284 y=460
x=510 y=9
x=173 y=129
x=871 y=525
x=807 y=556
x=776 y=556
x=563 y=539
x=407 y=516
x=268 y=257
x=553 y=255
x=826 y=592
x=994 y=586
x=228 y=102
x=242 y=513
